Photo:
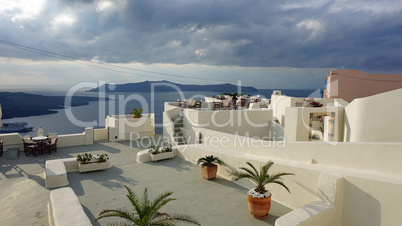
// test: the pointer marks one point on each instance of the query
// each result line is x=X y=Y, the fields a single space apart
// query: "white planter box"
x=160 y=156
x=94 y=166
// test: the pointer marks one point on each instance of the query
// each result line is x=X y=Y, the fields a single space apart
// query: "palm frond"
x=146 y=212
x=281 y=183
x=209 y=160
x=116 y=213
x=135 y=201
x=262 y=177
x=158 y=203
x=171 y=218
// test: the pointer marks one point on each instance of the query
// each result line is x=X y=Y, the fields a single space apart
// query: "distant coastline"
x=20 y=104
x=166 y=86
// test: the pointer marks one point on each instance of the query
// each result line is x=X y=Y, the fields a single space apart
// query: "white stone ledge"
x=320 y=212
x=65 y=209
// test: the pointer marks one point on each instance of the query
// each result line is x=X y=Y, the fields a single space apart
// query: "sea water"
x=74 y=119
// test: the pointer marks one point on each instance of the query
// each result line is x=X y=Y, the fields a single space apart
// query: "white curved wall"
x=375 y=118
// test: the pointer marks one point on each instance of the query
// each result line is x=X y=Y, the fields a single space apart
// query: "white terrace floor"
x=24 y=198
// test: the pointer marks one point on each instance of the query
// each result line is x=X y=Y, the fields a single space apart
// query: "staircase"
x=178 y=135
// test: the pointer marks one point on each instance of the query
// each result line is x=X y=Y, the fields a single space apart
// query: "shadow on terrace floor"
x=217 y=202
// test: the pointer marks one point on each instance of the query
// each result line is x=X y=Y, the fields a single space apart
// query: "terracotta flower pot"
x=209 y=172
x=259 y=207
x=135 y=116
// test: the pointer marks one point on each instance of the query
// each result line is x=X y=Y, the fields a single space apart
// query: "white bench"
x=56 y=171
x=65 y=209
x=143 y=156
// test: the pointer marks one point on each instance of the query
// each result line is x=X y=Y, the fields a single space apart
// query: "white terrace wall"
x=375 y=119
x=101 y=134
x=125 y=127
x=372 y=185
x=65 y=140
x=252 y=122
x=171 y=112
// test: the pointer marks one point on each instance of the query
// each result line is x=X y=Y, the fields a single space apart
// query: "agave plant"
x=261 y=178
x=209 y=161
x=146 y=212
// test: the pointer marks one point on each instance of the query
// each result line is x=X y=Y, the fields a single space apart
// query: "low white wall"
x=100 y=134
x=359 y=157
x=253 y=122
x=125 y=127
x=168 y=127
x=65 y=140
x=191 y=135
x=276 y=132
x=12 y=140
x=326 y=210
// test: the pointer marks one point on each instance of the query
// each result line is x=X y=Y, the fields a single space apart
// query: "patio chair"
x=243 y=102
x=31 y=147
x=217 y=106
x=180 y=103
x=198 y=104
x=233 y=105
x=191 y=103
x=247 y=104
x=1 y=147
x=51 y=145
x=226 y=104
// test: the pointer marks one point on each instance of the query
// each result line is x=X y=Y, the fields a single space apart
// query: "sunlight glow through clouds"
x=314 y=25
x=104 y=5
x=61 y=20
x=25 y=9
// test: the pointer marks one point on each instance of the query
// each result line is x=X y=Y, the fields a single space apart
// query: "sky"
x=266 y=44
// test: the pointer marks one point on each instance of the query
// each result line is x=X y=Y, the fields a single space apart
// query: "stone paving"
x=24 y=197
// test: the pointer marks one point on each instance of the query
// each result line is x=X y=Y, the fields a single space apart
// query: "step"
x=177 y=120
x=178 y=134
x=178 y=125
x=178 y=139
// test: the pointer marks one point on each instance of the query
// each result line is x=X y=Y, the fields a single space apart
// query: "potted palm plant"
x=208 y=166
x=137 y=112
x=147 y=211
x=259 y=198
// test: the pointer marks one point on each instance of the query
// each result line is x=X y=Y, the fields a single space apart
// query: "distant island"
x=25 y=104
x=146 y=87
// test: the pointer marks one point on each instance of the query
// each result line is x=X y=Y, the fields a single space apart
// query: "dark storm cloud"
x=314 y=34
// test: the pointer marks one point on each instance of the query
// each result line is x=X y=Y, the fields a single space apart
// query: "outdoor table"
x=40 y=140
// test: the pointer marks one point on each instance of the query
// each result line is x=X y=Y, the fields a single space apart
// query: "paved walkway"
x=24 y=198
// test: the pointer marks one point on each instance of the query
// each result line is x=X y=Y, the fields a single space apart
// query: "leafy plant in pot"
x=158 y=153
x=137 y=112
x=89 y=162
x=208 y=166
x=84 y=158
x=259 y=198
